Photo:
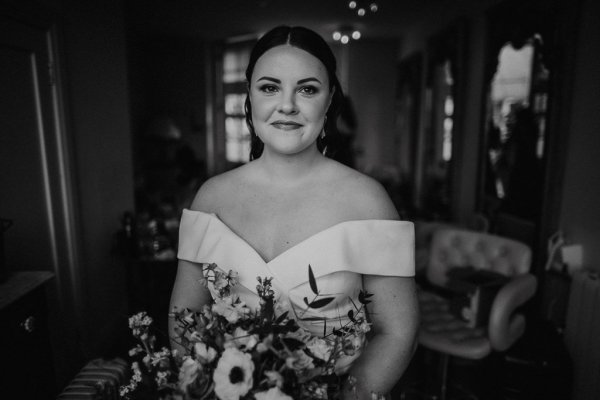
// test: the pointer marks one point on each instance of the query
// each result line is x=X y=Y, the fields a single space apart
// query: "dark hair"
x=313 y=43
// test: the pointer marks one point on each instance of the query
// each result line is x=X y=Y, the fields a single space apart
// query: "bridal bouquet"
x=228 y=351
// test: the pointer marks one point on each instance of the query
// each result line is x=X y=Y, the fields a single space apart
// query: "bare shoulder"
x=365 y=197
x=216 y=190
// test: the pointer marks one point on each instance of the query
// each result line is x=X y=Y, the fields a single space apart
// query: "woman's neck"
x=290 y=169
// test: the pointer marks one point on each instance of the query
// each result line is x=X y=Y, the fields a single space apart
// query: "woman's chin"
x=289 y=149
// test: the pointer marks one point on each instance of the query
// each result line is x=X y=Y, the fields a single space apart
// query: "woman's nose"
x=288 y=104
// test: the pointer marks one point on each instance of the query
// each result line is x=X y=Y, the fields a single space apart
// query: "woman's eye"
x=309 y=90
x=268 y=88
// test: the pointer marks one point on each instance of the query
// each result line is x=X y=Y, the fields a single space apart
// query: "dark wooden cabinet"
x=27 y=363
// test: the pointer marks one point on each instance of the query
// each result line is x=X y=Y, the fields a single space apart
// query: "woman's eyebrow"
x=311 y=79
x=301 y=81
x=268 y=78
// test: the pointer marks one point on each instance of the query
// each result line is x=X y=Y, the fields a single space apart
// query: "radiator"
x=582 y=334
x=98 y=380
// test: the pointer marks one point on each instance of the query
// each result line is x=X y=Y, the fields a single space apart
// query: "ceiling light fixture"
x=361 y=7
x=344 y=35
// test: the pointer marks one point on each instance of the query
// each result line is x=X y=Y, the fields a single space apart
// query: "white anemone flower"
x=233 y=375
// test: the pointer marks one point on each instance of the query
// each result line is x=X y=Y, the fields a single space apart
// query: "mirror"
x=517 y=133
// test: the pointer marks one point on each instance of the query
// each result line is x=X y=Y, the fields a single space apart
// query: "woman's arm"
x=395 y=318
x=188 y=292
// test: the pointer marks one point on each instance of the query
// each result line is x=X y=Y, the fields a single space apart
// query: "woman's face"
x=290 y=95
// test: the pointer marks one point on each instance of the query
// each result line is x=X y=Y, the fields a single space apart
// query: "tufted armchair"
x=442 y=331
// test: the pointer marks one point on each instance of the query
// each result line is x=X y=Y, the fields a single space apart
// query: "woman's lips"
x=286 y=125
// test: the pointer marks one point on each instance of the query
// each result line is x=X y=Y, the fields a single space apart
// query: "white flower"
x=205 y=354
x=229 y=309
x=188 y=372
x=299 y=334
x=299 y=360
x=272 y=394
x=320 y=348
x=140 y=320
x=274 y=378
x=221 y=281
x=317 y=391
x=364 y=327
x=233 y=375
x=162 y=378
x=135 y=351
x=353 y=344
x=265 y=344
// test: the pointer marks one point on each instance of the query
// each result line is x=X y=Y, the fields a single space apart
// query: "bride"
x=292 y=206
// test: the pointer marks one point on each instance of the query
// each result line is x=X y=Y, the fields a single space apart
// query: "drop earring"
x=323 y=134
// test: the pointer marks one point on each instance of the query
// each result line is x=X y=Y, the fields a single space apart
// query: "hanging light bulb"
x=345 y=34
x=363 y=6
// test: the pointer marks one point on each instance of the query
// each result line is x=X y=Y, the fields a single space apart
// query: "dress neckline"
x=301 y=243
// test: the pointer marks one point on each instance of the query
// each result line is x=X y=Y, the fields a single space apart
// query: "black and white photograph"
x=300 y=199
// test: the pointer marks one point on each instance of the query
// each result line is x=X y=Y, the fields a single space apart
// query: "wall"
x=371 y=70
x=167 y=74
x=580 y=212
x=93 y=45
x=91 y=74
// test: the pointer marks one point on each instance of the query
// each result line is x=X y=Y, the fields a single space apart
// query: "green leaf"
x=291 y=324
x=281 y=317
x=363 y=296
x=312 y=281
x=351 y=315
x=306 y=301
x=321 y=302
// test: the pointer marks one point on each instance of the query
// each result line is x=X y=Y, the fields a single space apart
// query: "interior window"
x=237 y=136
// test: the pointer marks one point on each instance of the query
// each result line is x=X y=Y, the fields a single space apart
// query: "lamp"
x=345 y=34
x=362 y=7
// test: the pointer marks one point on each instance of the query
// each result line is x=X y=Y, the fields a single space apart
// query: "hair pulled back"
x=313 y=43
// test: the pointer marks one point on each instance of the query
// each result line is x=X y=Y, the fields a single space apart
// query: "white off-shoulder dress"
x=338 y=256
